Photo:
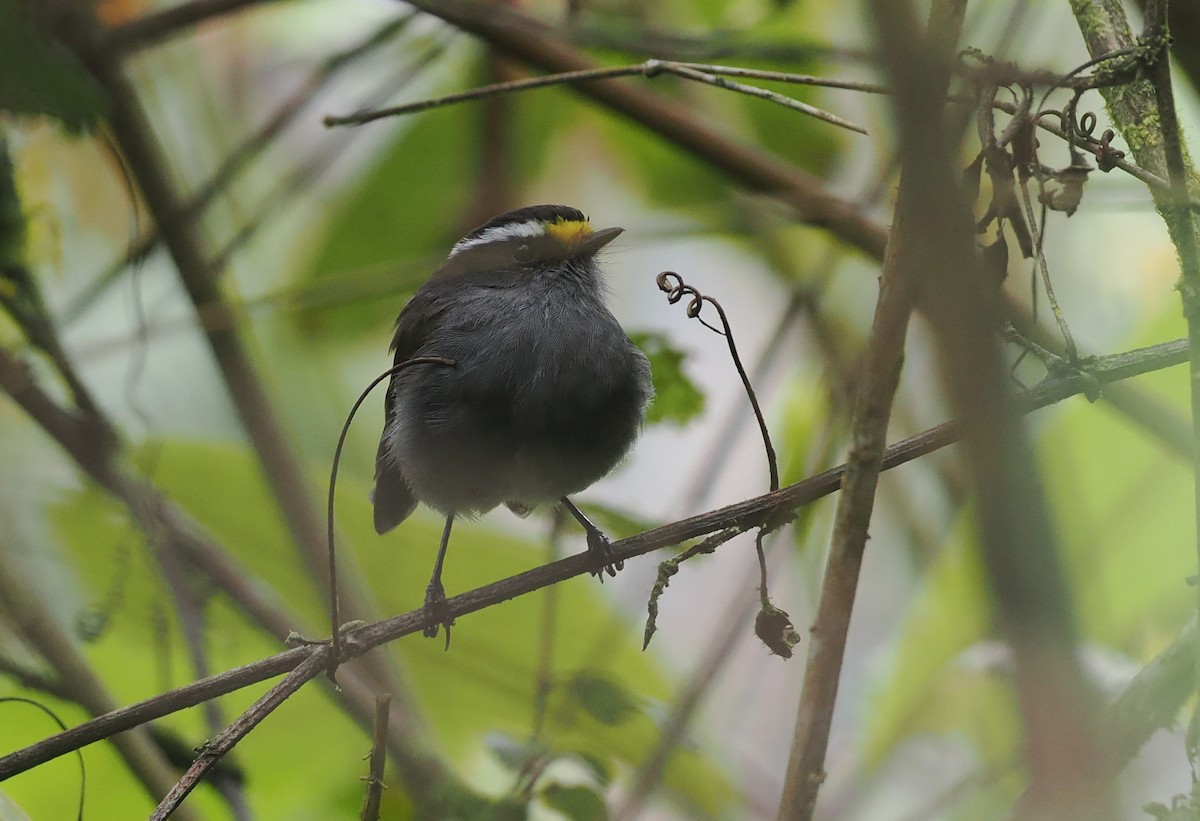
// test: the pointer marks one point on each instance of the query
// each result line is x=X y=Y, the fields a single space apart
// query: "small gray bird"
x=547 y=393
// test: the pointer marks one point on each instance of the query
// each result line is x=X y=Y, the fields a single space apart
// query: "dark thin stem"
x=78 y=755
x=675 y=288
x=150 y=169
x=335 y=615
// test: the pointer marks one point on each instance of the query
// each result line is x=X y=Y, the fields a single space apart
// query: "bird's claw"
x=601 y=552
x=436 y=608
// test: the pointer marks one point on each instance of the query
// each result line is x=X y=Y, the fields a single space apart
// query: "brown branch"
x=536 y=44
x=212 y=752
x=1178 y=214
x=872 y=411
x=745 y=515
x=374 y=795
x=152 y=29
x=1070 y=774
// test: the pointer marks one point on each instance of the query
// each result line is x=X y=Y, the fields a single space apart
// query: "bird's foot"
x=437 y=609
x=601 y=552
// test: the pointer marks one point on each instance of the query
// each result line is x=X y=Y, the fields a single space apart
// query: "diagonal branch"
x=154 y=28
x=745 y=515
x=538 y=45
x=872 y=411
x=1068 y=766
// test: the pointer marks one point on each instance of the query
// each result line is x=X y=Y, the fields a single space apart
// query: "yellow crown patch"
x=569 y=232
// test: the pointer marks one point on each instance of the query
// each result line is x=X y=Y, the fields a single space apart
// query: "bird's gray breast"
x=546 y=397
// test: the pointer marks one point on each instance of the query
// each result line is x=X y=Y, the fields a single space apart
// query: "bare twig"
x=374 y=795
x=535 y=44
x=281 y=464
x=213 y=751
x=709 y=75
x=675 y=288
x=78 y=755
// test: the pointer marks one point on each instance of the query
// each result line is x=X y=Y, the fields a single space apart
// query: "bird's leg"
x=435 y=594
x=598 y=544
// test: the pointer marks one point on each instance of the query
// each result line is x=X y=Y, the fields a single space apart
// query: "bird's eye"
x=523 y=254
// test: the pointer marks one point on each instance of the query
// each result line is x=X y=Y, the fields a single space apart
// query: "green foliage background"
x=320 y=284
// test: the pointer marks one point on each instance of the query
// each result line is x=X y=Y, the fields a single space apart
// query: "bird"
x=545 y=396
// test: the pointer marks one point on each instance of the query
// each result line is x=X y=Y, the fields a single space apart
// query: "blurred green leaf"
x=949 y=614
x=677 y=400
x=600 y=769
x=579 y=803
x=385 y=236
x=484 y=685
x=512 y=752
x=40 y=77
x=603 y=699
x=667 y=177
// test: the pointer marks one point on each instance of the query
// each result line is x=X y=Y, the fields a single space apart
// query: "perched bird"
x=546 y=394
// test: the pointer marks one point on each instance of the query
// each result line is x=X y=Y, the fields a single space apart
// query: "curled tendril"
x=672 y=284
x=1087 y=124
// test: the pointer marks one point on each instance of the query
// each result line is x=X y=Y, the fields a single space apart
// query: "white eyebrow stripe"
x=529 y=228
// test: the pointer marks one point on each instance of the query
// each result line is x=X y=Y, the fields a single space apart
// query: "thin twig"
x=710 y=75
x=78 y=755
x=214 y=750
x=374 y=795
x=335 y=616
x=280 y=461
x=675 y=288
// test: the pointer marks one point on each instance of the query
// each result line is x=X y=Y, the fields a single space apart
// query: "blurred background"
x=315 y=237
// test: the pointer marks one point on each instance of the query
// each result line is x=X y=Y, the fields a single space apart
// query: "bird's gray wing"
x=392 y=497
